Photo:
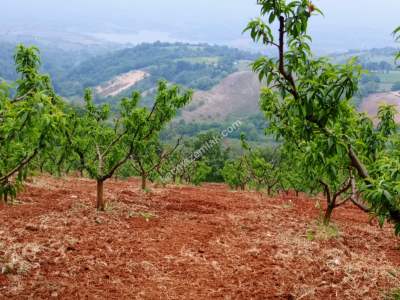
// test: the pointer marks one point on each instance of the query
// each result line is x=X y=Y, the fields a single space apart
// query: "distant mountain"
x=197 y=66
x=224 y=87
x=58 y=57
x=115 y=73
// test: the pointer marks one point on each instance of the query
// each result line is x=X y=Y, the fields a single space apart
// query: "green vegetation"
x=37 y=126
x=393 y=295
x=28 y=121
x=106 y=147
x=308 y=105
x=194 y=66
x=396 y=33
x=323 y=145
x=381 y=70
x=252 y=126
x=57 y=61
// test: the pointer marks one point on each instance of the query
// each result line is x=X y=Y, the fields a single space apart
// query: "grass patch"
x=110 y=207
x=393 y=294
x=321 y=232
x=288 y=205
x=143 y=214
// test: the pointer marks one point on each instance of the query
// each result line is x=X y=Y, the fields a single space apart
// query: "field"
x=121 y=83
x=236 y=95
x=371 y=104
x=185 y=242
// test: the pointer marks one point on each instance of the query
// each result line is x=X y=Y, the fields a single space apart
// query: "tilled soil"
x=185 y=242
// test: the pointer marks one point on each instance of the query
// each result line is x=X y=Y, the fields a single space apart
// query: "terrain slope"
x=371 y=104
x=185 y=242
x=237 y=95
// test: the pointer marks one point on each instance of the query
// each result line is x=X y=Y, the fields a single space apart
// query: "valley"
x=224 y=86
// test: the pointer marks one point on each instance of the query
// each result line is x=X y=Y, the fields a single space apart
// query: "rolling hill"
x=198 y=66
x=371 y=104
x=237 y=94
x=224 y=87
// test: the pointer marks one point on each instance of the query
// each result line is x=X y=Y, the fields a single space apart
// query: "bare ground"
x=239 y=94
x=121 y=83
x=371 y=104
x=185 y=242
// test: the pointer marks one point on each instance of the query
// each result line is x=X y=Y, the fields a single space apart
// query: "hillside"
x=237 y=94
x=185 y=242
x=224 y=88
x=57 y=57
x=371 y=104
x=120 y=83
x=370 y=56
x=198 y=66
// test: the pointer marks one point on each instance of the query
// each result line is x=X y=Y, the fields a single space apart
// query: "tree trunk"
x=82 y=164
x=59 y=171
x=100 y=195
x=328 y=214
x=144 y=182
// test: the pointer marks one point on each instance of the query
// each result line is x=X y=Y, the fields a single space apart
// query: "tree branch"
x=26 y=161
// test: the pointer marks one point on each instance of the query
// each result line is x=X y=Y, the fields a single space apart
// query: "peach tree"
x=236 y=174
x=104 y=144
x=308 y=100
x=30 y=116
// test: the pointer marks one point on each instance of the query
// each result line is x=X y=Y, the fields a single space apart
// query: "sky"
x=347 y=24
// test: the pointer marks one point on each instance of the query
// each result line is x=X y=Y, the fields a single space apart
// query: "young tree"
x=292 y=173
x=148 y=158
x=263 y=167
x=208 y=148
x=199 y=160
x=236 y=174
x=187 y=169
x=309 y=99
x=57 y=158
x=200 y=172
x=257 y=168
x=27 y=121
x=105 y=145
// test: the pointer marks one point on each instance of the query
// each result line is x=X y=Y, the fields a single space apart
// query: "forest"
x=198 y=66
x=130 y=169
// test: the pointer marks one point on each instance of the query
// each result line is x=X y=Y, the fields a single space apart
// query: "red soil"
x=186 y=243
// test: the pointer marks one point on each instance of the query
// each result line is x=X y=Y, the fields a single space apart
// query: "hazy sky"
x=347 y=23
